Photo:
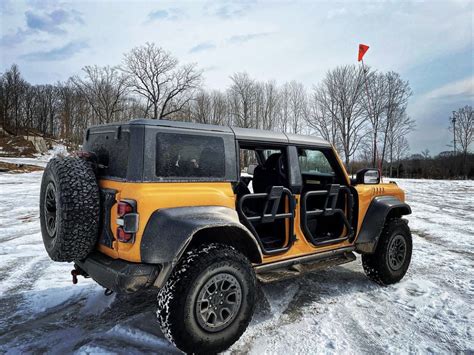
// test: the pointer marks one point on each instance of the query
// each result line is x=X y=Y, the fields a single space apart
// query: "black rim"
x=397 y=252
x=50 y=209
x=218 y=302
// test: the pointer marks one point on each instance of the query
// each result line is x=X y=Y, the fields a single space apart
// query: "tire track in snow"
x=23 y=276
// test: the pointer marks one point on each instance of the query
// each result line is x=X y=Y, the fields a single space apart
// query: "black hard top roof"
x=241 y=134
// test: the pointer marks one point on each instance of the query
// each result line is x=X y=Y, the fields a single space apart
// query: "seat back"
x=268 y=175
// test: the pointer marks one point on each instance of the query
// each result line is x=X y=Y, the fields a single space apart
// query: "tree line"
x=361 y=111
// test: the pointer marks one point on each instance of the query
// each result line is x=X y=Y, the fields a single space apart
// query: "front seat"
x=269 y=174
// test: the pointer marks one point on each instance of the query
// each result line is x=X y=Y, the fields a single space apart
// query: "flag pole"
x=361 y=59
x=369 y=106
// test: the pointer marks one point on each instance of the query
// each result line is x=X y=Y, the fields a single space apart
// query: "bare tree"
x=398 y=92
x=157 y=76
x=426 y=154
x=375 y=103
x=242 y=100
x=297 y=106
x=104 y=88
x=220 y=110
x=48 y=101
x=208 y=108
x=14 y=88
x=284 y=112
x=73 y=114
x=464 y=132
x=29 y=104
x=400 y=126
x=271 y=99
x=400 y=149
x=340 y=96
x=321 y=116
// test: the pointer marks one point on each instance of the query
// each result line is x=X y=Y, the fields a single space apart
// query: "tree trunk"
x=155 y=111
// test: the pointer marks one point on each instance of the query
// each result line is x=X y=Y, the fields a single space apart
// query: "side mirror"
x=251 y=169
x=368 y=177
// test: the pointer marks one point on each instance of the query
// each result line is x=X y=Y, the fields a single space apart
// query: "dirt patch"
x=18 y=168
x=11 y=146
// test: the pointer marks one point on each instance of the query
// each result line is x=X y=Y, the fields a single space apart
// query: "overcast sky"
x=429 y=43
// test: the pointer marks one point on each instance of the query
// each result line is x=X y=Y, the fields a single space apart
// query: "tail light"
x=124 y=207
x=127 y=221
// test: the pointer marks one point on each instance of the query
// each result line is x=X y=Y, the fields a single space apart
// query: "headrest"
x=272 y=161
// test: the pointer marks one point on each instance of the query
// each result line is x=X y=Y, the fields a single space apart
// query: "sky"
x=430 y=43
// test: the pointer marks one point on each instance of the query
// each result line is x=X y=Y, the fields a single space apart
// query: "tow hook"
x=74 y=274
x=108 y=292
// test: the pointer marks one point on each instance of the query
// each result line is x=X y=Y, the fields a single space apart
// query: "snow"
x=333 y=311
x=40 y=159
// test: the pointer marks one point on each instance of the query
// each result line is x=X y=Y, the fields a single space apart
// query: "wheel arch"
x=170 y=232
x=235 y=236
x=380 y=210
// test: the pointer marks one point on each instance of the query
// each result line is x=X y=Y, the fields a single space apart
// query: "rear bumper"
x=118 y=275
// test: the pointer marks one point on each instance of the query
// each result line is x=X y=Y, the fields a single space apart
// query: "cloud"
x=229 y=9
x=247 y=37
x=43 y=22
x=460 y=88
x=170 y=14
x=56 y=54
x=51 y=22
x=15 y=38
x=202 y=47
x=432 y=111
x=6 y=7
x=158 y=14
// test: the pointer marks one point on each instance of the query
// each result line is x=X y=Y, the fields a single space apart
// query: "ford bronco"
x=202 y=213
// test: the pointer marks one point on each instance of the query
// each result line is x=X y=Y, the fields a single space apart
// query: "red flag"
x=362 y=50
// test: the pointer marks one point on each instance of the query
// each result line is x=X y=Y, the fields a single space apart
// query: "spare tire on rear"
x=69 y=208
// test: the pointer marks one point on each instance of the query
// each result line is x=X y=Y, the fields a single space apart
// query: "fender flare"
x=379 y=210
x=170 y=231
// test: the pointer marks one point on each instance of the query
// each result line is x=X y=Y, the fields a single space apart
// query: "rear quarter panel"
x=153 y=196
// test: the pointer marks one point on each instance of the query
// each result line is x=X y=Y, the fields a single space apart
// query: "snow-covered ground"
x=333 y=311
x=40 y=159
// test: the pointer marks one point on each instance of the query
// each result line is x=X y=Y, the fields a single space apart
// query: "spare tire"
x=69 y=208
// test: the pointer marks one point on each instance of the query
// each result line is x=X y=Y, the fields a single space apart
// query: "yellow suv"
x=203 y=212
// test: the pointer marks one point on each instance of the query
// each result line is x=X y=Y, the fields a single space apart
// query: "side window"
x=189 y=156
x=314 y=162
x=111 y=153
x=268 y=152
x=248 y=158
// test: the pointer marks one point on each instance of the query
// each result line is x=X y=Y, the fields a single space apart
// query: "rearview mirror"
x=368 y=176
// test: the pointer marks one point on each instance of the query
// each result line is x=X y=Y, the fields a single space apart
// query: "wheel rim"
x=397 y=252
x=218 y=302
x=50 y=209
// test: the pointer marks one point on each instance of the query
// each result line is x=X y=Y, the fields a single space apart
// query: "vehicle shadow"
x=291 y=297
x=89 y=321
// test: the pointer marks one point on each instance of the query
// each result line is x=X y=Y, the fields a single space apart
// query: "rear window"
x=111 y=152
x=190 y=156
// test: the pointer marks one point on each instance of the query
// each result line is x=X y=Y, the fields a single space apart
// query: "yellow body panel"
x=367 y=193
x=153 y=196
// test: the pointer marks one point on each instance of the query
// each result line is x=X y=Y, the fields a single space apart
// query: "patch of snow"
x=40 y=159
x=333 y=311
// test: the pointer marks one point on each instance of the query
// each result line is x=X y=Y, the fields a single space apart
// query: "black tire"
x=69 y=209
x=178 y=304
x=392 y=256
